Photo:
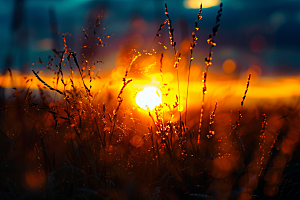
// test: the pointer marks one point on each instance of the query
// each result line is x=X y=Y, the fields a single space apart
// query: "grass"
x=69 y=140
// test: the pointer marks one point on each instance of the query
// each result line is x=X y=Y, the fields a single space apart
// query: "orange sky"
x=224 y=88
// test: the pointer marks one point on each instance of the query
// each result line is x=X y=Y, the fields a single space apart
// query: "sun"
x=149 y=96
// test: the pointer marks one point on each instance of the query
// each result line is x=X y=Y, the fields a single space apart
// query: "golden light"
x=196 y=3
x=229 y=66
x=35 y=180
x=149 y=96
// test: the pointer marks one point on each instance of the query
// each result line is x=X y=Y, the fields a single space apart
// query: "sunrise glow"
x=149 y=96
x=196 y=3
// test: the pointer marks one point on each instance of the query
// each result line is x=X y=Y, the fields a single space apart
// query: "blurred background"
x=257 y=37
x=260 y=36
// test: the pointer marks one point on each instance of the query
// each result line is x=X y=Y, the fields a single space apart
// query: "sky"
x=262 y=35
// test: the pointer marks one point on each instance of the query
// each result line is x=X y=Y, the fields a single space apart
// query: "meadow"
x=69 y=131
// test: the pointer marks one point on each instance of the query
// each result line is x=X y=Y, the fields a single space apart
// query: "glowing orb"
x=149 y=96
x=196 y=3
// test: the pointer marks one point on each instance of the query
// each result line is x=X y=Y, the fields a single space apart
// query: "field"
x=73 y=132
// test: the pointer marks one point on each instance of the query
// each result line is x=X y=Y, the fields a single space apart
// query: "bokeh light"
x=35 y=180
x=258 y=43
x=205 y=3
x=229 y=66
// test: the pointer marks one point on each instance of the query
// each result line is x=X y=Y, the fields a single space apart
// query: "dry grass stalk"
x=208 y=63
x=171 y=30
x=243 y=100
x=41 y=80
x=211 y=133
x=177 y=56
x=261 y=151
x=193 y=44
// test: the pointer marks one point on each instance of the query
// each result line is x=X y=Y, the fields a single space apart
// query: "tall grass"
x=79 y=143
